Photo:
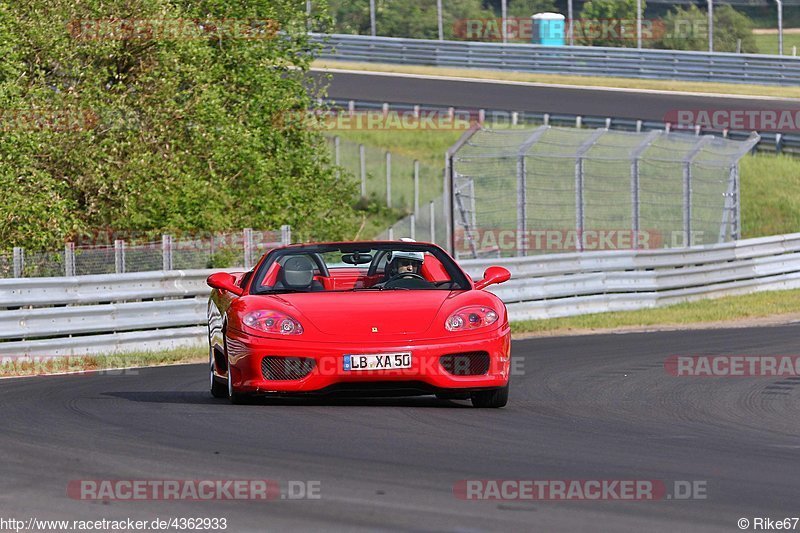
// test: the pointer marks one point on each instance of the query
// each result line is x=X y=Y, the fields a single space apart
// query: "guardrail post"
x=514 y=118
x=69 y=259
x=248 y=248
x=119 y=256
x=416 y=111
x=385 y=109
x=19 y=261
x=413 y=220
x=737 y=198
x=351 y=107
x=416 y=187
x=546 y=119
x=391 y=233
x=362 y=160
x=778 y=143
x=638 y=126
x=578 y=121
x=389 y=179
x=286 y=234
x=166 y=251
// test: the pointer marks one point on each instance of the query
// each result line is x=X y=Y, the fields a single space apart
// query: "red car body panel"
x=336 y=324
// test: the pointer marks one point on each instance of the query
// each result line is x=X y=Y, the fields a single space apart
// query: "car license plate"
x=380 y=361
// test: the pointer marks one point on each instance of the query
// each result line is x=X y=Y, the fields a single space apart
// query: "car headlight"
x=273 y=322
x=469 y=318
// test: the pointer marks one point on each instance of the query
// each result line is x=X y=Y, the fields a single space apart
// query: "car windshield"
x=358 y=267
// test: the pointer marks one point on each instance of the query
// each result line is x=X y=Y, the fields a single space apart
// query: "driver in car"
x=405 y=263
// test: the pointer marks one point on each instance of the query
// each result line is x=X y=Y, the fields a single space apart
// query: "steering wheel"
x=405 y=275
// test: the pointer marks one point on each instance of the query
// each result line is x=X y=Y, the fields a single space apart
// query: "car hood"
x=394 y=312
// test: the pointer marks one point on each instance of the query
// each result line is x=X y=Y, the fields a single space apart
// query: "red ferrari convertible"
x=371 y=318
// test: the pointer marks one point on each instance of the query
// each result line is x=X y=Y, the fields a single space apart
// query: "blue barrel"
x=549 y=29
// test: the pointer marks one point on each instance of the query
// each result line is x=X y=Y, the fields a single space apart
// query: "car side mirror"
x=224 y=281
x=492 y=276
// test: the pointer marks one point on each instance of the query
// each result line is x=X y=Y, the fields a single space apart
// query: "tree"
x=687 y=29
x=188 y=131
x=607 y=23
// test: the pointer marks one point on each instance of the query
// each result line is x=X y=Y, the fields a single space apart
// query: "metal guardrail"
x=581 y=60
x=580 y=283
x=161 y=310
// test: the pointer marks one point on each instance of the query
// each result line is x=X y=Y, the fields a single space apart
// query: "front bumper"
x=426 y=374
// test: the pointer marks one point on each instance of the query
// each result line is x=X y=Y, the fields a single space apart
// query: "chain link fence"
x=551 y=189
x=222 y=250
x=388 y=178
x=534 y=190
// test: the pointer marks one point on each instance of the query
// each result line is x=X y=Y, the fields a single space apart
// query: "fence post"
x=337 y=155
x=389 y=179
x=433 y=222
x=413 y=220
x=248 y=247
x=69 y=259
x=286 y=234
x=416 y=187
x=636 y=156
x=119 y=256
x=166 y=251
x=687 y=188
x=362 y=158
x=579 y=200
x=19 y=261
x=391 y=233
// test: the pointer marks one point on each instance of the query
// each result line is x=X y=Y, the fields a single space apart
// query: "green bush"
x=184 y=134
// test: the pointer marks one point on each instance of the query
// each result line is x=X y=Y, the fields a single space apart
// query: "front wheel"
x=236 y=398
x=490 y=398
x=218 y=388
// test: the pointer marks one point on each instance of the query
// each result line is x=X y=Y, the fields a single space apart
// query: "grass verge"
x=43 y=365
x=727 y=311
x=584 y=81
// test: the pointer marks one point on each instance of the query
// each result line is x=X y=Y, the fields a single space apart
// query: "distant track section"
x=541 y=98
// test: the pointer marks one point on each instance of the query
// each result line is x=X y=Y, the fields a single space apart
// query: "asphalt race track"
x=630 y=104
x=584 y=407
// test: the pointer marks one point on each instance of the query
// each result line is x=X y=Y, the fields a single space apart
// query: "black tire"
x=236 y=398
x=490 y=398
x=218 y=389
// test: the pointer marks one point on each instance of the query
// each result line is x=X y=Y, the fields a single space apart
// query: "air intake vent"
x=286 y=368
x=466 y=364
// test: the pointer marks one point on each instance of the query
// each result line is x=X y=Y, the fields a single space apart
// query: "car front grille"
x=466 y=364
x=286 y=368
